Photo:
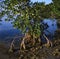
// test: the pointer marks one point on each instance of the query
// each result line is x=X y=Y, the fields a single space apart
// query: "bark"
x=48 y=41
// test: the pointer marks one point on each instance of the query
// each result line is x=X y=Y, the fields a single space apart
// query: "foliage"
x=26 y=15
x=57 y=8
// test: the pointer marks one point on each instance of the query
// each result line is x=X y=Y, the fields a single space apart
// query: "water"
x=7 y=29
x=51 y=28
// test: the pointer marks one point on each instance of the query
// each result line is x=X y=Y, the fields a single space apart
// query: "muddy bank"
x=39 y=52
x=4 y=52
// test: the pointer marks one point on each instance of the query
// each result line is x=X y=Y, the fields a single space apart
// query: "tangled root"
x=49 y=43
x=28 y=41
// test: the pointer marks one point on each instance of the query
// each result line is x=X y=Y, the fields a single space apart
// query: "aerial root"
x=11 y=46
x=23 y=44
x=33 y=42
x=49 y=43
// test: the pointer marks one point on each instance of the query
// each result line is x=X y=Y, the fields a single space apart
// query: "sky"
x=46 y=1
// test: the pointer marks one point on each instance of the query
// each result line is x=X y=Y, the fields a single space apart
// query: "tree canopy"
x=56 y=8
x=26 y=15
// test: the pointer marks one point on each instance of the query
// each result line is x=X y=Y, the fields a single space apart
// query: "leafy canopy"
x=56 y=4
x=26 y=15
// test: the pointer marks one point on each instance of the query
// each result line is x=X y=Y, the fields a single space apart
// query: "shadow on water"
x=7 y=30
